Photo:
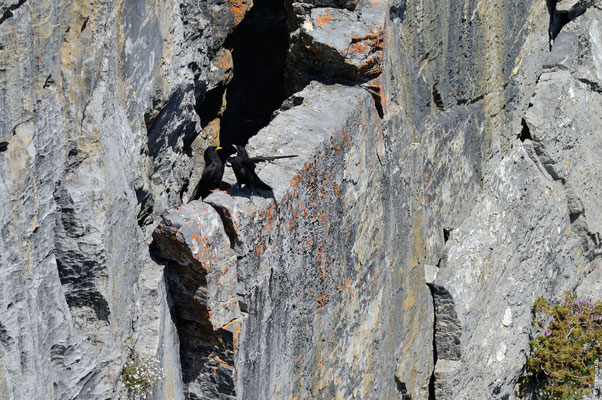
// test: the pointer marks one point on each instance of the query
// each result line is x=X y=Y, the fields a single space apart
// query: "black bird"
x=212 y=174
x=244 y=168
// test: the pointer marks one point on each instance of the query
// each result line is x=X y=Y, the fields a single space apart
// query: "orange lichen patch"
x=224 y=60
x=321 y=301
x=258 y=249
x=378 y=91
x=373 y=42
x=325 y=19
x=320 y=364
x=372 y=66
x=358 y=48
x=239 y=8
x=269 y=216
x=203 y=250
x=427 y=178
x=222 y=362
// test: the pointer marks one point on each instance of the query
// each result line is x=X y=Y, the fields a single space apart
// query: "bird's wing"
x=201 y=187
x=208 y=172
x=270 y=158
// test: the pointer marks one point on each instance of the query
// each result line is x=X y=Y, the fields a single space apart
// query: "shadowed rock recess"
x=449 y=156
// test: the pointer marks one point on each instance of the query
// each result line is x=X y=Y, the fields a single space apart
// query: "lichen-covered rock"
x=449 y=183
x=341 y=45
x=202 y=279
x=98 y=110
x=533 y=232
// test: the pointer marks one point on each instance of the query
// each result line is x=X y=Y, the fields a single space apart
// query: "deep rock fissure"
x=211 y=105
x=201 y=346
x=259 y=47
x=525 y=133
x=437 y=99
x=227 y=223
x=431 y=387
x=558 y=19
x=9 y=12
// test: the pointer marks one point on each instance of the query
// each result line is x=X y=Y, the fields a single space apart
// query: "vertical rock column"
x=202 y=279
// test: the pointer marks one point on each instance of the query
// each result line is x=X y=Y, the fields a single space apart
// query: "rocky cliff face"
x=447 y=175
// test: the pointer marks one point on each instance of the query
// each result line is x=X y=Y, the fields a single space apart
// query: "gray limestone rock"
x=339 y=45
x=449 y=179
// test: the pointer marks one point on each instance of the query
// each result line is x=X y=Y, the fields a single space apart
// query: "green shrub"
x=567 y=350
x=140 y=374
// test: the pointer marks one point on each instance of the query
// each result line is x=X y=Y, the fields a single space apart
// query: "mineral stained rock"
x=447 y=175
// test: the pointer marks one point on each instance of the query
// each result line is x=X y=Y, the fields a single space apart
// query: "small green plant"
x=567 y=350
x=140 y=374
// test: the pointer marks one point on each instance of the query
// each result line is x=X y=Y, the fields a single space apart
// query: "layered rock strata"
x=444 y=182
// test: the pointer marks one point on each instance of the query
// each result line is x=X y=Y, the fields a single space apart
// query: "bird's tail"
x=287 y=156
x=270 y=158
x=263 y=186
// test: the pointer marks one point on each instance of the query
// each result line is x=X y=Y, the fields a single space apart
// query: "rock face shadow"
x=206 y=354
x=258 y=47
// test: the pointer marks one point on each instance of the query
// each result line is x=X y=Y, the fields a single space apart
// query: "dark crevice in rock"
x=10 y=11
x=258 y=47
x=145 y=206
x=397 y=10
x=5 y=339
x=462 y=102
x=210 y=108
x=525 y=133
x=84 y=24
x=446 y=233
x=184 y=187
x=434 y=345
x=3 y=146
x=558 y=19
x=206 y=353
x=438 y=99
x=377 y=100
x=402 y=389
x=573 y=217
x=594 y=86
x=227 y=222
x=546 y=162
x=49 y=81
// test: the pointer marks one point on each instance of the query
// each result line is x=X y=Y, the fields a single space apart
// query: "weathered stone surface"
x=339 y=45
x=536 y=199
x=202 y=280
x=484 y=272
x=299 y=258
x=97 y=110
x=481 y=157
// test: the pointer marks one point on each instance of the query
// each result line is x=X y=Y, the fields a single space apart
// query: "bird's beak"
x=219 y=148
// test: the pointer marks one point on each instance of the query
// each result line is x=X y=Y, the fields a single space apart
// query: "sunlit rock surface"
x=447 y=175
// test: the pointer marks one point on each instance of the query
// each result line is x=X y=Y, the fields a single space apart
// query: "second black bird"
x=244 y=168
x=212 y=174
